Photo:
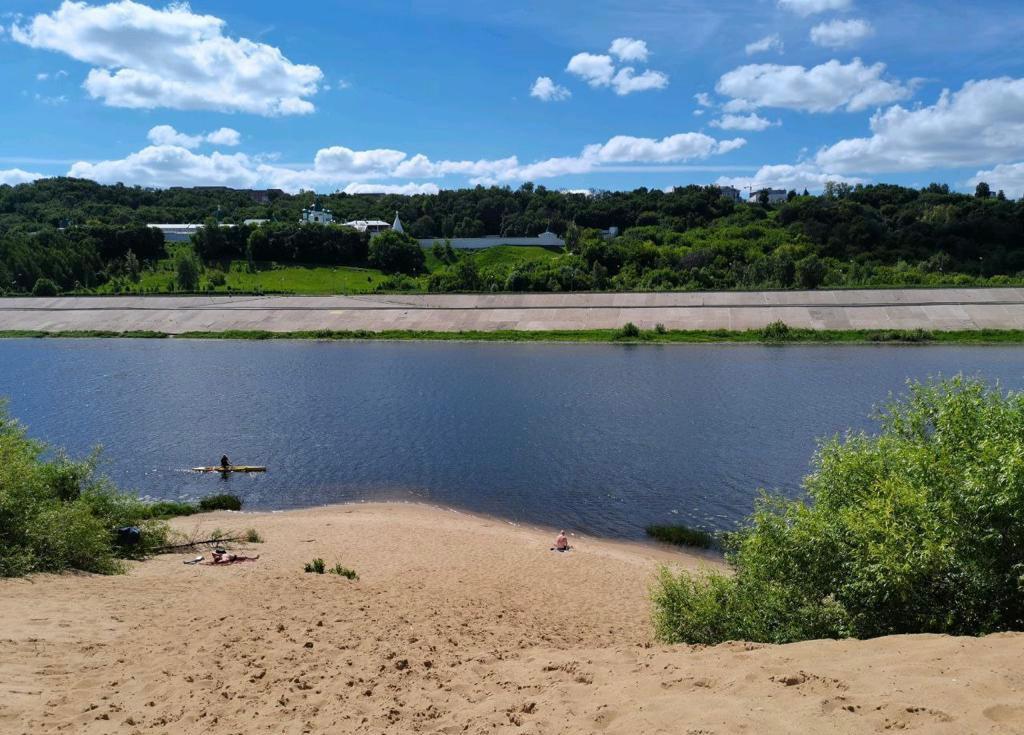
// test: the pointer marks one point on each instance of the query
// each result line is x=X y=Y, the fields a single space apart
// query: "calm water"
x=601 y=438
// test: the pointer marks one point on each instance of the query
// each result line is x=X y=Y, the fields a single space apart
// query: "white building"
x=316 y=214
x=373 y=226
x=775 y=196
x=397 y=225
x=730 y=192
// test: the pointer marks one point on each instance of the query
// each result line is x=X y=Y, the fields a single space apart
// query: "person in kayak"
x=225 y=463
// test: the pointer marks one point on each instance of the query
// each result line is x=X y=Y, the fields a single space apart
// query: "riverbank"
x=584 y=314
x=458 y=623
x=767 y=335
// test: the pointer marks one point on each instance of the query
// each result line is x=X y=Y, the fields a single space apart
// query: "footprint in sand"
x=1005 y=714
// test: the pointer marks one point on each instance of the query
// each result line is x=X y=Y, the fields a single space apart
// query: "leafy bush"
x=915 y=530
x=659 y=328
x=396 y=252
x=170 y=509
x=316 y=566
x=343 y=571
x=682 y=536
x=58 y=514
x=776 y=331
x=45 y=287
x=629 y=331
x=187 y=268
x=223 y=501
x=253 y=536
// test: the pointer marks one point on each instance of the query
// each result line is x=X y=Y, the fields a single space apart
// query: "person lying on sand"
x=223 y=556
x=561 y=542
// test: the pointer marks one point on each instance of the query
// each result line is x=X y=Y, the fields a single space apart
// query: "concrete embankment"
x=932 y=309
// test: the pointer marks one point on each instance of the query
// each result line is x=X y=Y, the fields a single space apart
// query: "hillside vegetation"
x=71 y=235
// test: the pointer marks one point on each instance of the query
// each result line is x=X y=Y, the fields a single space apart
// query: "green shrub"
x=59 y=514
x=915 y=530
x=223 y=501
x=343 y=571
x=253 y=536
x=659 y=328
x=170 y=509
x=629 y=331
x=682 y=536
x=45 y=287
x=776 y=331
x=316 y=566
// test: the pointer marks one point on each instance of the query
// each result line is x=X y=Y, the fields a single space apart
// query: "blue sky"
x=418 y=96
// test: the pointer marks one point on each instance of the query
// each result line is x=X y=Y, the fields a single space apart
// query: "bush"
x=316 y=566
x=45 y=287
x=682 y=536
x=915 y=530
x=253 y=536
x=170 y=509
x=343 y=572
x=659 y=328
x=224 y=501
x=187 y=269
x=58 y=514
x=628 y=331
x=775 y=332
x=396 y=252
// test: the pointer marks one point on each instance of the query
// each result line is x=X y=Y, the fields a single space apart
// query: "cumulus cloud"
x=786 y=176
x=703 y=99
x=167 y=135
x=768 y=43
x=1008 y=177
x=813 y=7
x=598 y=70
x=823 y=88
x=14 y=176
x=170 y=162
x=629 y=49
x=171 y=57
x=840 y=33
x=752 y=122
x=982 y=123
x=545 y=89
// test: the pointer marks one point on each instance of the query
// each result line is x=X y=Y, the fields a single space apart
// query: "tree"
x=915 y=529
x=45 y=287
x=572 y=238
x=982 y=190
x=396 y=252
x=187 y=269
x=132 y=267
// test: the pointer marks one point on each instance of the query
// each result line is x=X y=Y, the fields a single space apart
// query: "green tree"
x=187 y=269
x=914 y=530
x=982 y=190
x=45 y=287
x=396 y=252
x=131 y=267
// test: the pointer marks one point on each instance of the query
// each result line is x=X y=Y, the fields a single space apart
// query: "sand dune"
x=458 y=624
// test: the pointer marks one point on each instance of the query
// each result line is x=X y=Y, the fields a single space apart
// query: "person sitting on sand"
x=225 y=463
x=561 y=543
x=223 y=556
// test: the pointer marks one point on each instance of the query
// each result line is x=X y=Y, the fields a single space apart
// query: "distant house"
x=397 y=224
x=730 y=192
x=373 y=226
x=255 y=222
x=177 y=232
x=775 y=196
x=316 y=215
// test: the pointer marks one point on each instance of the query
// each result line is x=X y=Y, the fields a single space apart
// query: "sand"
x=457 y=624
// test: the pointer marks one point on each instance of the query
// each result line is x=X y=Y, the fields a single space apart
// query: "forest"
x=65 y=235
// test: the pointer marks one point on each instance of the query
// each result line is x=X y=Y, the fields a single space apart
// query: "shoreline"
x=590 y=336
x=457 y=623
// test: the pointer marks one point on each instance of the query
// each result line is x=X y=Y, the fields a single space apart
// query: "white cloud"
x=768 y=43
x=14 y=176
x=840 y=33
x=596 y=69
x=171 y=165
x=751 y=122
x=167 y=135
x=42 y=76
x=982 y=123
x=813 y=7
x=408 y=189
x=823 y=88
x=172 y=57
x=703 y=99
x=629 y=49
x=1008 y=177
x=545 y=89
x=785 y=176
x=671 y=149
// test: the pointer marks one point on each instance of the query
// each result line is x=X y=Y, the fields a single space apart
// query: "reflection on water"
x=601 y=438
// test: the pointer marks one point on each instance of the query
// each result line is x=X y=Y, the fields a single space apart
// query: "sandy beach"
x=457 y=624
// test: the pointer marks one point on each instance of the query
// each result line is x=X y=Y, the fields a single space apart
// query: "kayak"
x=230 y=468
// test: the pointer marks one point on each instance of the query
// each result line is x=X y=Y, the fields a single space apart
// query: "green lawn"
x=509 y=256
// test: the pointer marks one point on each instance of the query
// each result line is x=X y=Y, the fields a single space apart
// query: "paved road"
x=875 y=309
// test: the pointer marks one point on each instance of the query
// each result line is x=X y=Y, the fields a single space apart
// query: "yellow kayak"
x=231 y=468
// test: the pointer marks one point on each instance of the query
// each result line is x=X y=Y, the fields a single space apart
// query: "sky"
x=337 y=95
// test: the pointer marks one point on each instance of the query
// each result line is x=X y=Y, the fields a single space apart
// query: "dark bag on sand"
x=128 y=536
